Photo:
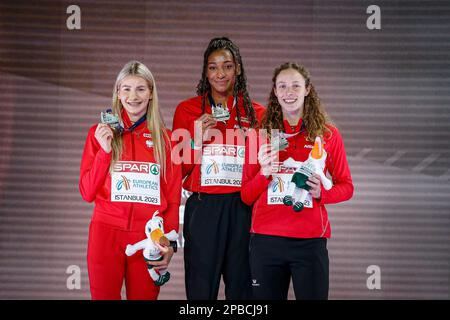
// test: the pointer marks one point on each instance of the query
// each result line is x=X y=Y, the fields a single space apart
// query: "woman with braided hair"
x=216 y=221
x=286 y=242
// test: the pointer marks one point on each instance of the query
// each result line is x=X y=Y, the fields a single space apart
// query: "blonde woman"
x=127 y=171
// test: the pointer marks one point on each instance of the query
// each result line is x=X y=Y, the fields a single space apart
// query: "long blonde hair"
x=316 y=120
x=155 y=123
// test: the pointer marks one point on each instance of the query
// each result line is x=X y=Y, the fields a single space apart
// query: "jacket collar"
x=299 y=127
x=128 y=124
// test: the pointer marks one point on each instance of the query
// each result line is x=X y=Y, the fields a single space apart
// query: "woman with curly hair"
x=288 y=243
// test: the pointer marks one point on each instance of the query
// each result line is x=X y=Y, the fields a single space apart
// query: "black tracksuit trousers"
x=274 y=260
x=216 y=233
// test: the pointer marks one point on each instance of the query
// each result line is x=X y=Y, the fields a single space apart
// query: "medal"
x=219 y=113
x=279 y=142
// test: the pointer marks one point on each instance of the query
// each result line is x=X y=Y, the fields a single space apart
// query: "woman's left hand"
x=315 y=184
x=167 y=253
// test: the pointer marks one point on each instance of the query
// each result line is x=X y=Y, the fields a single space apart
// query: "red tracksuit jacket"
x=95 y=182
x=186 y=113
x=270 y=216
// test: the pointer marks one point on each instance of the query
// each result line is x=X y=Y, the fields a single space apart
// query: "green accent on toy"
x=149 y=266
x=287 y=200
x=298 y=206
x=163 y=278
x=300 y=181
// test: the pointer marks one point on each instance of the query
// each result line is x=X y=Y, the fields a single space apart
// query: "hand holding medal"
x=202 y=125
x=104 y=132
x=266 y=158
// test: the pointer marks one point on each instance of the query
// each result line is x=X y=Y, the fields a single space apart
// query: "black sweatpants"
x=274 y=260
x=216 y=233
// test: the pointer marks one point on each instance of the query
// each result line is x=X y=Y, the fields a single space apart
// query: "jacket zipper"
x=133 y=158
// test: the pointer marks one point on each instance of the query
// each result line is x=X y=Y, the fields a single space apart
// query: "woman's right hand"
x=205 y=122
x=266 y=158
x=104 y=136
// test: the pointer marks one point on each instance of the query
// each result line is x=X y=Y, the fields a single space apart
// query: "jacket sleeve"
x=182 y=120
x=172 y=193
x=94 y=167
x=253 y=182
x=337 y=164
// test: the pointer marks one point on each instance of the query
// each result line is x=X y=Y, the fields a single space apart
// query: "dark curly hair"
x=314 y=117
x=240 y=86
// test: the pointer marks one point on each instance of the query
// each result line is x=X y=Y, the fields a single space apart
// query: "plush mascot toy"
x=154 y=229
x=297 y=190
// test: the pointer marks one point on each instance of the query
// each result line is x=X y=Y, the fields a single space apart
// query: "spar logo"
x=154 y=169
x=220 y=150
x=278 y=186
x=123 y=183
x=214 y=167
x=137 y=167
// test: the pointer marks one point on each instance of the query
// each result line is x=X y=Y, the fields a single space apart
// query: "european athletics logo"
x=212 y=167
x=123 y=183
x=278 y=185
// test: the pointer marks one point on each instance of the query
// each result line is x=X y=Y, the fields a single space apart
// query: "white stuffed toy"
x=297 y=190
x=154 y=229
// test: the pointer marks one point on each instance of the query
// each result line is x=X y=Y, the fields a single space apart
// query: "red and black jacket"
x=185 y=115
x=281 y=220
x=95 y=182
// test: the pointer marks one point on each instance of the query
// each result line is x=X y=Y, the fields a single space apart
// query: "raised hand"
x=104 y=136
